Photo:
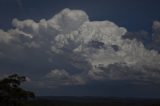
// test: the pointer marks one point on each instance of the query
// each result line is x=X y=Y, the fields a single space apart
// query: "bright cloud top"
x=87 y=50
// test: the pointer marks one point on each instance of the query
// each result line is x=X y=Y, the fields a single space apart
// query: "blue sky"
x=82 y=47
x=134 y=14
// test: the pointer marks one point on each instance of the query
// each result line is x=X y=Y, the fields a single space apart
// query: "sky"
x=105 y=48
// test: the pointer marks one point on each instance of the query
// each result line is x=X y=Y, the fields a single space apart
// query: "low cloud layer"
x=69 y=49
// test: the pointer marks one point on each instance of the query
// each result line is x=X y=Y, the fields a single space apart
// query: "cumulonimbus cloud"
x=88 y=50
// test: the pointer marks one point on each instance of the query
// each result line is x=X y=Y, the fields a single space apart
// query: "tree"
x=11 y=93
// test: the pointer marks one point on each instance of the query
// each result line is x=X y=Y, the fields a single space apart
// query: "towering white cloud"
x=86 y=50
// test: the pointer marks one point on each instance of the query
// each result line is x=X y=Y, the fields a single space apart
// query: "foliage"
x=11 y=94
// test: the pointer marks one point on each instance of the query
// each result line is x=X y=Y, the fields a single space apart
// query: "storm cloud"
x=69 y=49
